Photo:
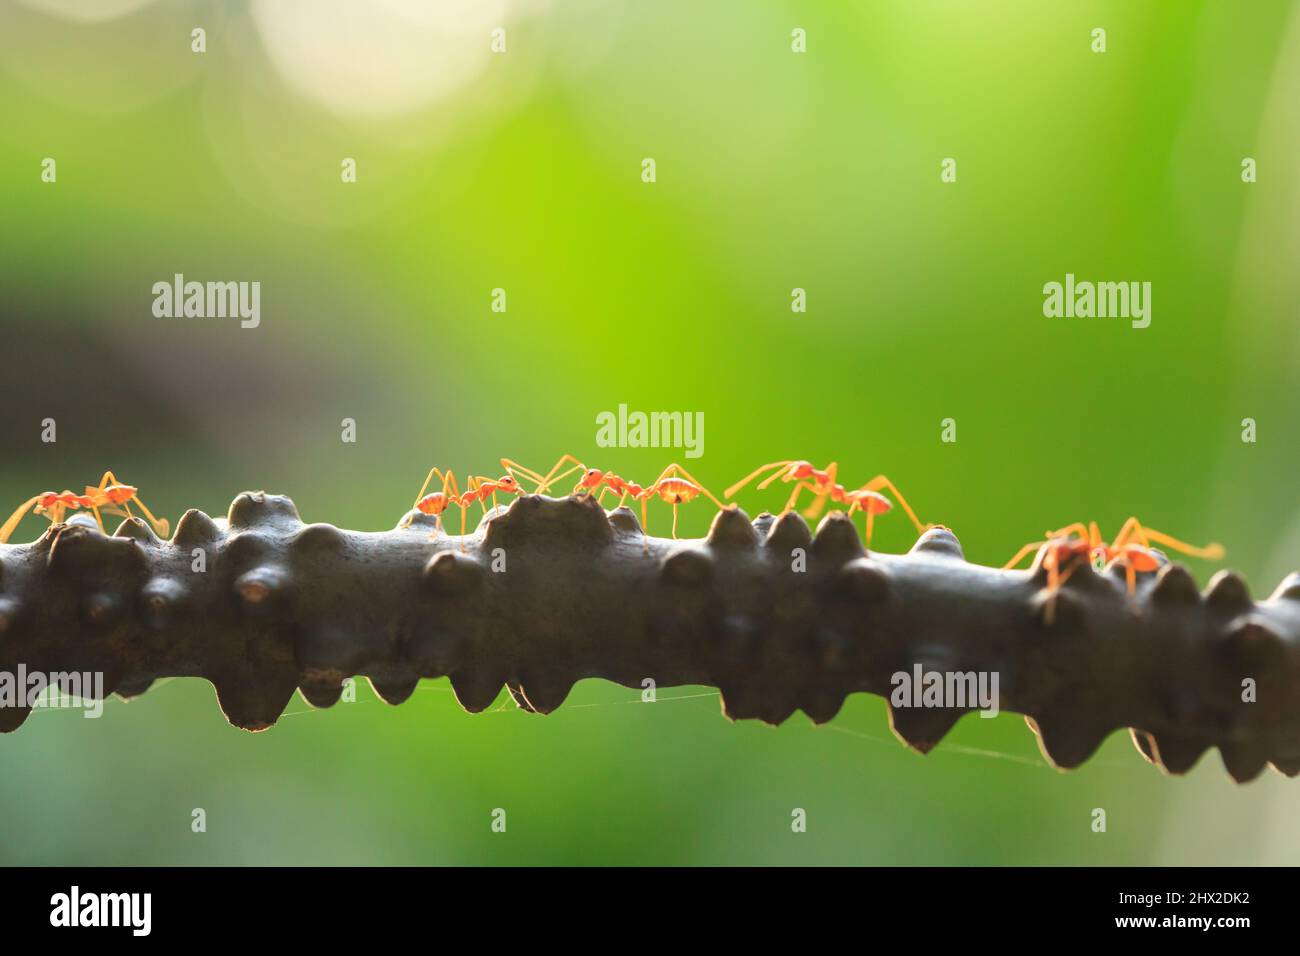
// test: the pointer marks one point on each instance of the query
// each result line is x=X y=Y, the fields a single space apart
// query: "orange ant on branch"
x=479 y=490
x=108 y=497
x=675 y=485
x=822 y=484
x=435 y=503
x=52 y=504
x=1066 y=548
x=115 y=498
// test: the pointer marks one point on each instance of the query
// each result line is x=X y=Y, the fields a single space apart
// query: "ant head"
x=801 y=469
x=47 y=499
x=508 y=484
x=591 y=478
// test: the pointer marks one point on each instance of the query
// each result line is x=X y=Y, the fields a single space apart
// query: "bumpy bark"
x=284 y=605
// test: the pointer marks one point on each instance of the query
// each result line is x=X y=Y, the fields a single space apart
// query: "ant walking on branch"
x=110 y=496
x=823 y=486
x=1065 y=549
x=675 y=485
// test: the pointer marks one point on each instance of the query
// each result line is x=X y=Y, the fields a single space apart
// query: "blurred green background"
x=522 y=171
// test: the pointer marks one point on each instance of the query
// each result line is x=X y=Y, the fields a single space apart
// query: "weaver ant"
x=592 y=479
x=1131 y=549
x=821 y=482
x=479 y=490
x=436 y=502
x=53 y=504
x=108 y=497
x=674 y=485
x=483 y=487
x=511 y=467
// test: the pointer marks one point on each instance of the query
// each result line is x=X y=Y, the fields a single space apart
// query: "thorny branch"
x=550 y=591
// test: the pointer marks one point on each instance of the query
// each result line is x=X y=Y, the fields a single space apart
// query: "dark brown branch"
x=576 y=593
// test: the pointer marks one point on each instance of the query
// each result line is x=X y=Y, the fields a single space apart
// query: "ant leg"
x=880 y=481
x=1054 y=582
x=16 y=518
x=425 y=487
x=1030 y=548
x=1133 y=529
x=1211 y=552
x=674 y=521
x=555 y=470
x=577 y=488
x=870 y=523
x=554 y=476
x=794 y=496
x=780 y=465
x=160 y=525
x=1088 y=533
x=783 y=474
x=798 y=489
x=823 y=492
x=1078 y=528
x=59 y=513
x=1095 y=539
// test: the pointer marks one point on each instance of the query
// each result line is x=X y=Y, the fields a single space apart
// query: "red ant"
x=108 y=497
x=480 y=488
x=483 y=487
x=511 y=467
x=592 y=478
x=675 y=485
x=821 y=482
x=53 y=504
x=437 y=502
x=115 y=498
x=1061 y=558
x=1131 y=549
